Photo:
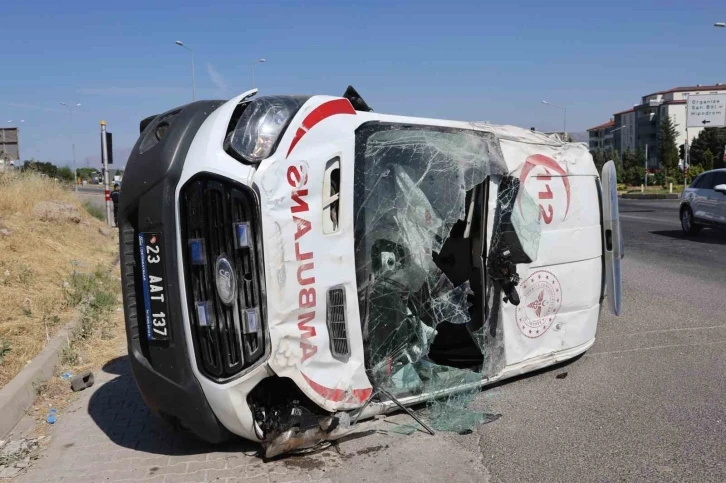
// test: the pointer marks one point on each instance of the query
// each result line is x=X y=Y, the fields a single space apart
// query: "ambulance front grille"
x=228 y=337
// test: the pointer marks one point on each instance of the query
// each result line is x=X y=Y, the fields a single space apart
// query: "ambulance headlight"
x=261 y=126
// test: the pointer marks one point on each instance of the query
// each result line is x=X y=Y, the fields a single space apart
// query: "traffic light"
x=109 y=146
x=682 y=151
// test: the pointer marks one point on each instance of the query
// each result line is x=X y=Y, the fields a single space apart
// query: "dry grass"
x=100 y=338
x=37 y=265
x=91 y=347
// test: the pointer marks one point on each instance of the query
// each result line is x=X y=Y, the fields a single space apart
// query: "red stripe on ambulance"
x=323 y=111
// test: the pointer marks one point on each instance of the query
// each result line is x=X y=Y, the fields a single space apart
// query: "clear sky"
x=468 y=60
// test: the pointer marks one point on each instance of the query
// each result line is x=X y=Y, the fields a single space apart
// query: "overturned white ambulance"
x=295 y=264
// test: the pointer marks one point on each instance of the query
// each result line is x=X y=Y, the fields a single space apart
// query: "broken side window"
x=419 y=210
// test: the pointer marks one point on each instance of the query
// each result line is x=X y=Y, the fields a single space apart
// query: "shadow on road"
x=118 y=366
x=706 y=236
x=118 y=410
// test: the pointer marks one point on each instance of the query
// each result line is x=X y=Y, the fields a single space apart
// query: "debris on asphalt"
x=67 y=376
x=561 y=375
x=15 y=456
x=82 y=381
x=51 y=416
x=406 y=429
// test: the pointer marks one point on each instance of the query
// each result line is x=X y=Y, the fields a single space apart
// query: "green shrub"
x=634 y=176
x=694 y=171
x=95 y=211
x=4 y=349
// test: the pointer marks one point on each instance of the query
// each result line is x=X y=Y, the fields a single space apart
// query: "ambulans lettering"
x=307 y=297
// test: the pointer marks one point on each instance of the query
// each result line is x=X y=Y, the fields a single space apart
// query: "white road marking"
x=662 y=331
x=675 y=222
x=655 y=347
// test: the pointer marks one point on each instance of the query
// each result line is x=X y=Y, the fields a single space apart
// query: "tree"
x=667 y=148
x=66 y=174
x=599 y=159
x=713 y=139
x=630 y=160
x=47 y=169
x=707 y=160
x=614 y=156
x=86 y=173
x=633 y=167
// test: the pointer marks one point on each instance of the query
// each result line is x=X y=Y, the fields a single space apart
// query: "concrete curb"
x=18 y=394
x=649 y=196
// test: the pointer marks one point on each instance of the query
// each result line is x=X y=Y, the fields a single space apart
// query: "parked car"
x=293 y=264
x=703 y=203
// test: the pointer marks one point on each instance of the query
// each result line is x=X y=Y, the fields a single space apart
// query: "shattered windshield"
x=420 y=229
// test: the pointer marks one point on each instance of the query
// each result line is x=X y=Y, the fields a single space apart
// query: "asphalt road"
x=93 y=194
x=646 y=403
x=91 y=189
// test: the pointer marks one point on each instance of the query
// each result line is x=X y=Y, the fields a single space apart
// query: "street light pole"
x=252 y=69
x=646 y=164
x=73 y=143
x=194 y=83
x=564 y=109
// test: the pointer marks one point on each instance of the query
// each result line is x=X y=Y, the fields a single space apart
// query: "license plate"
x=152 y=273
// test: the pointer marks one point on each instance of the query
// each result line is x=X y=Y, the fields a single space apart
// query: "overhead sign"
x=706 y=110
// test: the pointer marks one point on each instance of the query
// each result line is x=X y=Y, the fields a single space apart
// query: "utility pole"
x=73 y=143
x=686 y=161
x=194 y=82
x=252 y=70
x=564 y=110
x=646 y=164
x=104 y=160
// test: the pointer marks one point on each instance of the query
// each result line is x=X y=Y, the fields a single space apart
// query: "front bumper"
x=164 y=373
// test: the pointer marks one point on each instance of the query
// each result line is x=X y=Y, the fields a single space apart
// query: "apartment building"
x=639 y=126
x=600 y=138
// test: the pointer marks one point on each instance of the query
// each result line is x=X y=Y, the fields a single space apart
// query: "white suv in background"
x=704 y=202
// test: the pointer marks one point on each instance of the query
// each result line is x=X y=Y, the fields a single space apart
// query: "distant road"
x=92 y=194
x=91 y=188
x=652 y=233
